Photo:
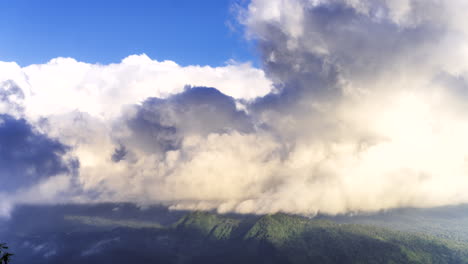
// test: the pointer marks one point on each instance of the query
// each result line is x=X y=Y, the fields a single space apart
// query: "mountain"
x=448 y=222
x=122 y=233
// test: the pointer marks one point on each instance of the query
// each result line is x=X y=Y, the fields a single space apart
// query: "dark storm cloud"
x=27 y=156
x=334 y=43
x=159 y=125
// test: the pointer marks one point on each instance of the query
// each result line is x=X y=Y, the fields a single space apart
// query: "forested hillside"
x=109 y=234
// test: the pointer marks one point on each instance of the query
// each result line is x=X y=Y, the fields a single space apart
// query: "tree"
x=4 y=256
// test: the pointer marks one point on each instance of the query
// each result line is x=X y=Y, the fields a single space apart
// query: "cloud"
x=26 y=156
x=159 y=125
x=33 y=167
x=360 y=106
x=11 y=97
x=64 y=84
x=361 y=98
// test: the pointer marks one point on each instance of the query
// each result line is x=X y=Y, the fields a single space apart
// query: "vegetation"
x=203 y=237
x=4 y=256
x=450 y=223
x=206 y=224
x=111 y=223
x=301 y=240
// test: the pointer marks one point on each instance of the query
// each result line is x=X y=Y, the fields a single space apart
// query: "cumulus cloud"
x=27 y=156
x=58 y=118
x=159 y=125
x=367 y=112
x=64 y=84
x=370 y=94
x=32 y=165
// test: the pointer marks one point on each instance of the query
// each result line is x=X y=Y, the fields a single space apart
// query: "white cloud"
x=369 y=113
x=82 y=102
x=64 y=84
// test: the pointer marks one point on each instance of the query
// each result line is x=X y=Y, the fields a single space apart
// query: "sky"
x=106 y=31
x=352 y=106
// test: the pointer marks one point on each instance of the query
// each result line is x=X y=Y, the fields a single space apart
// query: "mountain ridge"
x=207 y=237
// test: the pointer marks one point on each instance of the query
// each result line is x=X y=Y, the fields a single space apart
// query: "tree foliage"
x=4 y=256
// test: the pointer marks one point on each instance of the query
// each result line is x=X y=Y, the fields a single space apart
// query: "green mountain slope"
x=206 y=224
x=111 y=223
x=294 y=239
x=201 y=237
x=317 y=241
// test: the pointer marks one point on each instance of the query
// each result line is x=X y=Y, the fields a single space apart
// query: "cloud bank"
x=64 y=84
x=363 y=108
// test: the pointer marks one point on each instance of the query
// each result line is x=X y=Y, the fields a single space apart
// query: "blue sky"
x=105 y=31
